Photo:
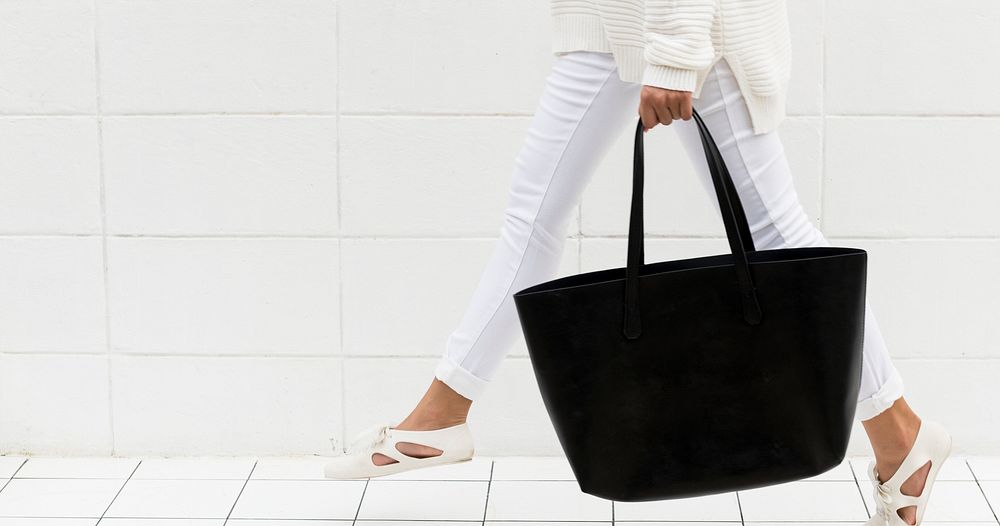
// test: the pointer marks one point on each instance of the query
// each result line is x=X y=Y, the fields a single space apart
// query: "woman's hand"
x=662 y=106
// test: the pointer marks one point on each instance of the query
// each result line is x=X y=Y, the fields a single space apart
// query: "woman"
x=731 y=62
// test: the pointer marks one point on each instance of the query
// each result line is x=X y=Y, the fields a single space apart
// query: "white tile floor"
x=508 y=491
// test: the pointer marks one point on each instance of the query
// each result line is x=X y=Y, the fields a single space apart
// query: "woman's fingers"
x=665 y=114
x=663 y=106
x=686 y=107
x=648 y=115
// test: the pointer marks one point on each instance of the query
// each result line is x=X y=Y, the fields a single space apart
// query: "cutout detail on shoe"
x=377 y=459
x=899 y=511
x=414 y=450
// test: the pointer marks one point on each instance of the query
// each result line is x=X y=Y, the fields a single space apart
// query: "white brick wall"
x=244 y=227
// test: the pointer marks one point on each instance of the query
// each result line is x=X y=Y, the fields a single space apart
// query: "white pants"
x=583 y=110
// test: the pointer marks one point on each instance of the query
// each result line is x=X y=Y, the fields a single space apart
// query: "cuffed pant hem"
x=460 y=380
x=883 y=399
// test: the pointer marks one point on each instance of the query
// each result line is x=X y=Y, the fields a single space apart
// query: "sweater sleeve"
x=678 y=37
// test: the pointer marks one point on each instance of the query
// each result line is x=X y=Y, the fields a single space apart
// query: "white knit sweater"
x=673 y=44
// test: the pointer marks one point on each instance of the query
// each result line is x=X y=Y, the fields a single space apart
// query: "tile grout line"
x=857 y=483
x=240 y=494
x=981 y=490
x=361 y=501
x=14 y=474
x=489 y=485
x=739 y=505
x=119 y=492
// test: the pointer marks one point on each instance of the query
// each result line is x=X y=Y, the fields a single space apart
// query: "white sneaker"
x=455 y=443
x=932 y=443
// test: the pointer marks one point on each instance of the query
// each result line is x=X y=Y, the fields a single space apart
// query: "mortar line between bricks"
x=822 y=111
x=342 y=439
x=451 y=115
x=103 y=203
x=395 y=237
x=327 y=356
x=157 y=115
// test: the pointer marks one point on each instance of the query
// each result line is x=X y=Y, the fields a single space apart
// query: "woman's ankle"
x=892 y=434
x=440 y=407
x=420 y=422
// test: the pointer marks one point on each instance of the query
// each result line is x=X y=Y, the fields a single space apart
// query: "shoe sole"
x=404 y=470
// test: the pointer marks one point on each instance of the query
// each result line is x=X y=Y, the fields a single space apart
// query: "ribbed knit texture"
x=673 y=44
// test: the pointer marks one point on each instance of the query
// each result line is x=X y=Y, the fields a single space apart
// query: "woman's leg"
x=776 y=217
x=763 y=179
x=583 y=109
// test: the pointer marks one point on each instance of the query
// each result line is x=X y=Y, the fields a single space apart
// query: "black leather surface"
x=699 y=376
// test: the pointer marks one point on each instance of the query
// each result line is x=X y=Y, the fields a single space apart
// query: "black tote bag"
x=700 y=376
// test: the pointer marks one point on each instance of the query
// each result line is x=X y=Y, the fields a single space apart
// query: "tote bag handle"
x=733 y=217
